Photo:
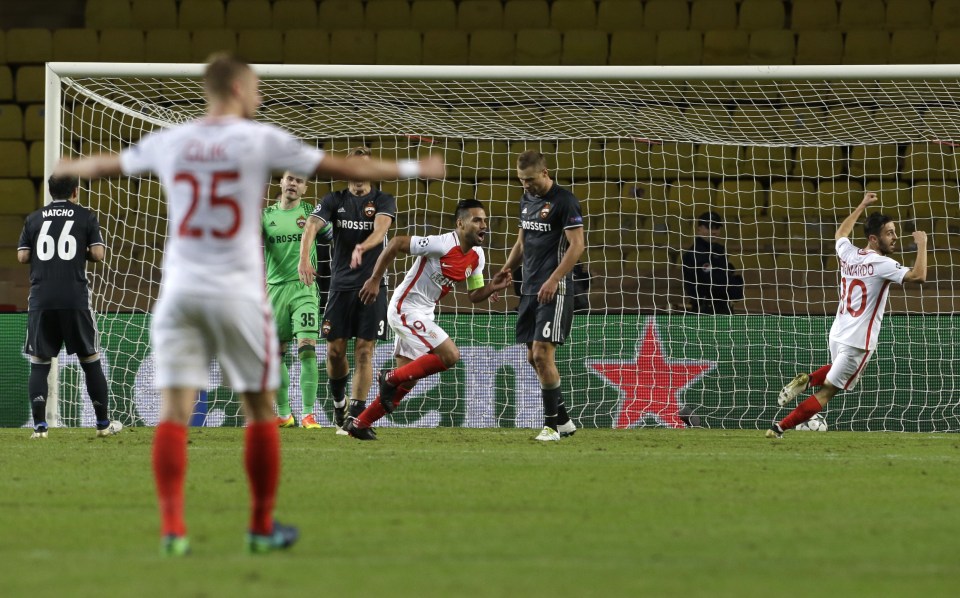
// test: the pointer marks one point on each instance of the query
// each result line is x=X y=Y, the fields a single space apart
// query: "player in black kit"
x=57 y=241
x=356 y=221
x=549 y=243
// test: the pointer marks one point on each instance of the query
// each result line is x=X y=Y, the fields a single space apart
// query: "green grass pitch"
x=462 y=512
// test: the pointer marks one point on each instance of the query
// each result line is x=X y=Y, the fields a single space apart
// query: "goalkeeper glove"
x=325 y=235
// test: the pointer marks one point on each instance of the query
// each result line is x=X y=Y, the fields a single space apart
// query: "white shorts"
x=188 y=331
x=417 y=333
x=847 y=363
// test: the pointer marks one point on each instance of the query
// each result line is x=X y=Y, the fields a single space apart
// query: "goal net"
x=781 y=154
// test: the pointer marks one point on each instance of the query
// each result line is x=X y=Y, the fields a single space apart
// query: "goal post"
x=781 y=153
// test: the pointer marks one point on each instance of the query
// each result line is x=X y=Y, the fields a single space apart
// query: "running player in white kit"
x=213 y=302
x=865 y=278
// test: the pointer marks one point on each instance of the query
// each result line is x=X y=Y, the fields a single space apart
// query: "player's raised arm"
x=378 y=170
x=371 y=288
x=918 y=274
x=90 y=167
x=846 y=227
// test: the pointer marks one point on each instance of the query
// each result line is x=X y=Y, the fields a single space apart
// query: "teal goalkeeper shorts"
x=296 y=309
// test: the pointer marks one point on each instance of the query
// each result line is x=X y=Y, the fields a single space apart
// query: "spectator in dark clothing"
x=709 y=281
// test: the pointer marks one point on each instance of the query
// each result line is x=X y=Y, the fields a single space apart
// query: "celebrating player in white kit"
x=422 y=347
x=865 y=277
x=212 y=300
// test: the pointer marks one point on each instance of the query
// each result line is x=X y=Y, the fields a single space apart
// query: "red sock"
x=169 y=472
x=375 y=410
x=818 y=377
x=802 y=413
x=261 y=456
x=421 y=367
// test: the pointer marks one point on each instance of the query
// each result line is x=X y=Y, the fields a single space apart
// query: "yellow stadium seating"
x=260 y=46
x=248 y=14
x=818 y=161
x=17 y=196
x=814 y=15
x=35 y=159
x=838 y=198
x=526 y=14
x=306 y=46
x=33 y=122
x=866 y=47
x=765 y=161
x=201 y=14
x=399 y=46
x=679 y=47
x=30 y=84
x=294 y=14
x=726 y=47
x=633 y=47
x=862 y=14
x=122 y=45
x=11 y=121
x=204 y=42
x=923 y=161
x=584 y=47
x=485 y=160
x=473 y=15
x=945 y=14
x=29 y=45
x=76 y=45
x=772 y=46
x=538 y=46
x=433 y=15
x=792 y=200
x=908 y=14
x=13 y=159
x=713 y=15
x=387 y=14
x=3 y=46
x=446 y=46
x=819 y=47
x=108 y=14
x=154 y=14
x=573 y=14
x=167 y=45
x=616 y=15
x=712 y=160
x=666 y=15
x=878 y=161
x=758 y=15
x=948 y=46
x=741 y=199
x=489 y=46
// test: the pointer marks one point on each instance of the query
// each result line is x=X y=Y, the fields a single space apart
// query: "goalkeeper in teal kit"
x=295 y=305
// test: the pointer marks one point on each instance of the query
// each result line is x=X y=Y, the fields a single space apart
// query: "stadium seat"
x=923 y=161
x=122 y=45
x=895 y=196
x=838 y=198
x=578 y=160
x=430 y=15
x=814 y=15
x=942 y=123
x=818 y=161
x=715 y=161
x=679 y=47
x=17 y=196
x=862 y=14
x=3 y=46
x=31 y=45
x=306 y=46
x=201 y=14
x=108 y=14
x=492 y=47
x=76 y=45
x=248 y=14
x=399 y=46
x=294 y=14
x=772 y=46
x=761 y=14
x=35 y=159
x=665 y=15
x=633 y=47
x=934 y=201
x=908 y=14
x=948 y=46
x=573 y=14
x=340 y=14
x=819 y=47
x=387 y=14
x=866 y=47
x=945 y=14
x=33 y=122
x=583 y=47
x=693 y=195
x=615 y=15
x=31 y=82
x=11 y=121
x=878 y=161
x=713 y=15
x=768 y=161
x=167 y=45
x=726 y=47
x=486 y=160
x=204 y=42
x=153 y=14
x=740 y=199
x=670 y=160
x=13 y=159
x=260 y=46
x=447 y=46
x=353 y=46
x=526 y=14
x=626 y=160
x=473 y=15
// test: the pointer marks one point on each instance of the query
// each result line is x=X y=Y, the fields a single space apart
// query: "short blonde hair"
x=531 y=158
x=222 y=71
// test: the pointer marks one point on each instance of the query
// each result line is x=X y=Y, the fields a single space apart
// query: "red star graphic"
x=650 y=383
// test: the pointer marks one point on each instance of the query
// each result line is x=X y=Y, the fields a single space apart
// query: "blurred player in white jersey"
x=865 y=277
x=213 y=302
x=422 y=347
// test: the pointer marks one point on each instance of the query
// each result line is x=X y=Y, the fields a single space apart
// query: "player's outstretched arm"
x=500 y=281
x=91 y=167
x=846 y=227
x=381 y=224
x=378 y=170
x=918 y=274
x=313 y=227
x=371 y=288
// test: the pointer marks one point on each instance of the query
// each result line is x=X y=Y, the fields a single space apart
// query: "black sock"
x=97 y=389
x=37 y=387
x=357 y=407
x=562 y=416
x=338 y=388
x=551 y=402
